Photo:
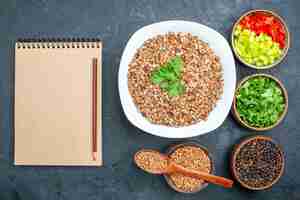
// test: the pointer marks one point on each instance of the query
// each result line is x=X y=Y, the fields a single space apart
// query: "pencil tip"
x=94 y=155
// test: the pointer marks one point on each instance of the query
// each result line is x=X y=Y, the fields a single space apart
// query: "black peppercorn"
x=258 y=162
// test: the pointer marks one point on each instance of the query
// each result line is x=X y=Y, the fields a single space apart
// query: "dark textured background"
x=114 y=21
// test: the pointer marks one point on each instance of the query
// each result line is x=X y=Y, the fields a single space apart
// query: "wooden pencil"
x=94 y=108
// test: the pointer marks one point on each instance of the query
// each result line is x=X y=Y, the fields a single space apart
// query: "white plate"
x=220 y=47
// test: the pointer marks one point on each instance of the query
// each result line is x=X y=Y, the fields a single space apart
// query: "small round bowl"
x=237 y=149
x=237 y=115
x=171 y=149
x=287 y=39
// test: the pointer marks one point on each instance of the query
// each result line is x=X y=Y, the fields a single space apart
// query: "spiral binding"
x=56 y=43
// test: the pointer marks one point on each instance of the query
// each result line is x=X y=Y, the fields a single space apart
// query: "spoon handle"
x=227 y=183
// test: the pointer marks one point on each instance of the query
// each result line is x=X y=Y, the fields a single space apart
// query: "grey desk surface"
x=114 y=21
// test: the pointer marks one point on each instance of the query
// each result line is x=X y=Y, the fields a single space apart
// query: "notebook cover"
x=53 y=103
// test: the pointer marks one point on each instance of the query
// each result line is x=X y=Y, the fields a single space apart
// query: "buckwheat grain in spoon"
x=154 y=162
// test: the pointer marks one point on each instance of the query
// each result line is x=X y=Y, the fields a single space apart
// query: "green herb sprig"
x=168 y=77
x=260 y=102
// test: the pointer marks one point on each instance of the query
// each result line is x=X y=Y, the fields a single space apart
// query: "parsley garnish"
x=260 y=102
x=168 y=77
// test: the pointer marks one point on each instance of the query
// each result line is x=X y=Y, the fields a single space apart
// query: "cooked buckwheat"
x=201 y=75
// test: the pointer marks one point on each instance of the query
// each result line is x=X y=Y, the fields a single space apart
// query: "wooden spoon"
x=154 y=162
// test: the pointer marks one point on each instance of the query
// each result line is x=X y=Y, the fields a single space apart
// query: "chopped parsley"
x=260 y=102
x=168 y=77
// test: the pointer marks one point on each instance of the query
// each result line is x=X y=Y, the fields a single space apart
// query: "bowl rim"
x=287 y=39
x=194 y=143
x=236 y=113
x=237 y=149
x=224 y=103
